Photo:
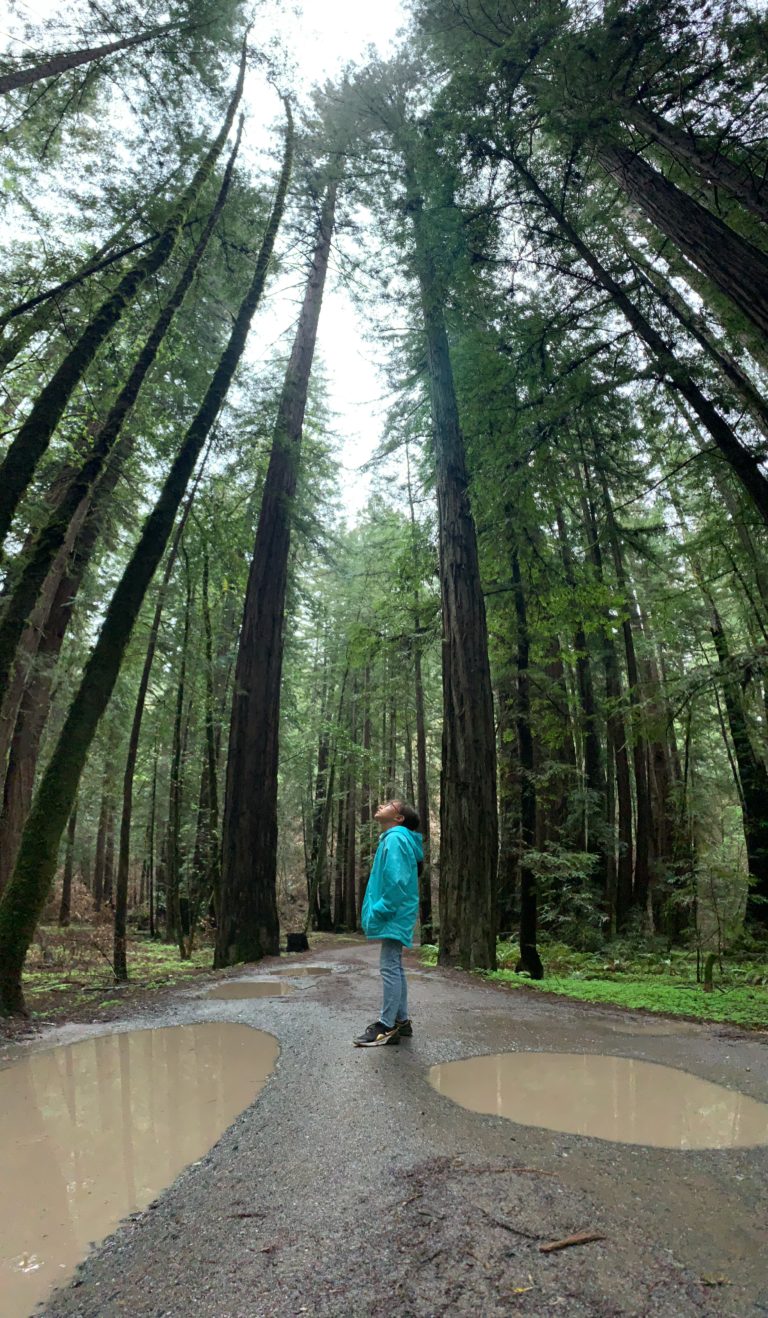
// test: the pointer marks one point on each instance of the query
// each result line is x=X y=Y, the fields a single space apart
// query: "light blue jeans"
x=395 y=987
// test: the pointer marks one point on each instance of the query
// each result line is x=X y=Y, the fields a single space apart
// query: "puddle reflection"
x=94 y=1130
x=612 y=1098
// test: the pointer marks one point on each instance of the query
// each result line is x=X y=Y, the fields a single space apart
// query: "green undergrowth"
x=69 y=971
x=652 y=979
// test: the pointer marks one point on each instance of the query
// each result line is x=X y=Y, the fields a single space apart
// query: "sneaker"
x=404 y=1028
x=376 y=1035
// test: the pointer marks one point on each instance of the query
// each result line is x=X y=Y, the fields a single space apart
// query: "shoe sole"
x=377 y=1043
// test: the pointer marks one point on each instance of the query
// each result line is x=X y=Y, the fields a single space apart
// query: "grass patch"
x=648 y=979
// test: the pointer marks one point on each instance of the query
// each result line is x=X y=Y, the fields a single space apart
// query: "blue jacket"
x=391 y=902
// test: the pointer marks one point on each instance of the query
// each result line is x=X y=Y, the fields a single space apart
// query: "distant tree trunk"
x=338 y=869
x=119 y=960
x=710 y=164
x=175 y=923
x=365 y=792
x=422 y=801
x=38 y=562
x=617 y=735
x=752 y=776
x=738 y=268
x=109 y=855
x=744 y=464
x=468 y=818
x=33 y=437
x=248 y=927
x=72 y=59
x=644 y=817
x=101 y=844
x=318 y=820
x=151 y=899
x=528 y=898
x=65 y=907
x=350 y=868
x=595 y=807
x=25 y=895
x=508 y=877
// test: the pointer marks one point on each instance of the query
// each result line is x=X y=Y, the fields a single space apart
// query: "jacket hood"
x=413 y=839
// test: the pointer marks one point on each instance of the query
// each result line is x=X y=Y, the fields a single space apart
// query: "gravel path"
x=350 y=1187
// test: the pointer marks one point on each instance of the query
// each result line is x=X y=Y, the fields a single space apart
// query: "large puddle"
x=92 y=1131
x=612 y=1098
x=256 y=988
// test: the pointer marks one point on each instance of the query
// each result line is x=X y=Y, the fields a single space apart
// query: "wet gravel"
x=351 y=1187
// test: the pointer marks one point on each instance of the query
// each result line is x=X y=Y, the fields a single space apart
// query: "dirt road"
x=351 y=1187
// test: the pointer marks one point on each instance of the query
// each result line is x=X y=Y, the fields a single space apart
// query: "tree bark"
x=25 y=895
x=739 y=269
x=617 y=735
x=468 y=812
x=65 y=907
x=72 y=59
x=34 y=435
x=528 y=896
x=248 y=927
x=53 y=534
x=119 y=954
x=736 y=455
x=711 y=165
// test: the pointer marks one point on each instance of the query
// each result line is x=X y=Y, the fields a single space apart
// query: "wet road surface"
x=352 y=1187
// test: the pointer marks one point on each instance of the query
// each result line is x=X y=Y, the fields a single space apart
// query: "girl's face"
x=388 y=813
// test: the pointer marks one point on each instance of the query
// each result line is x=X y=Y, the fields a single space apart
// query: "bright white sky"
x=322 y=36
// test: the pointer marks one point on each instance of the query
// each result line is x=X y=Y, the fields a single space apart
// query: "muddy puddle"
x=255 y=988
x=94 y=1130
x=611 y=1098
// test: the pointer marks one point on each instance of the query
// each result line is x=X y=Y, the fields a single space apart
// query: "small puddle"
x=94 y=1130
x=610 y=1098
x=256 y=988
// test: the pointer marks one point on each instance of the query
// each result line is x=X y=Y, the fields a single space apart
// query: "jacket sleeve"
x=395 y=878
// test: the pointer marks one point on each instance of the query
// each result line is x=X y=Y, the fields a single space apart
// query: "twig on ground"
x=506 y=1224
x=583 y=1238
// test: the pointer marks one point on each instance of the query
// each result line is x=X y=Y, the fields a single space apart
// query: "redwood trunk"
x=248 y=927
x=733 y=264
x=468 y=813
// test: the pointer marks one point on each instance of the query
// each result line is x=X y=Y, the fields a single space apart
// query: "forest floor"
x=352 y=1187
x=662 y=980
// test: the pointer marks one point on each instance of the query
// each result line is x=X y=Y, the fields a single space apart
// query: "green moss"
x=647 y=977
x=739 y=1006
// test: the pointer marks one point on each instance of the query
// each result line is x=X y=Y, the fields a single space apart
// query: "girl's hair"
x=410 y=816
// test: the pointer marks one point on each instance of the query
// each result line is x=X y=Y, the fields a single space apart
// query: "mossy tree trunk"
x=739 y=458
x=25 y=896
x=53 y=534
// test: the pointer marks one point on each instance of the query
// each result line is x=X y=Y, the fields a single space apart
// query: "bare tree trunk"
x=739 y=269
x=72 y=59
x=65 y=907
x=248 y=927
x=468 y=815
x=528 y=898
x=53 y=534
x=711 y=165
x=124 y=848
x=744 y=464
